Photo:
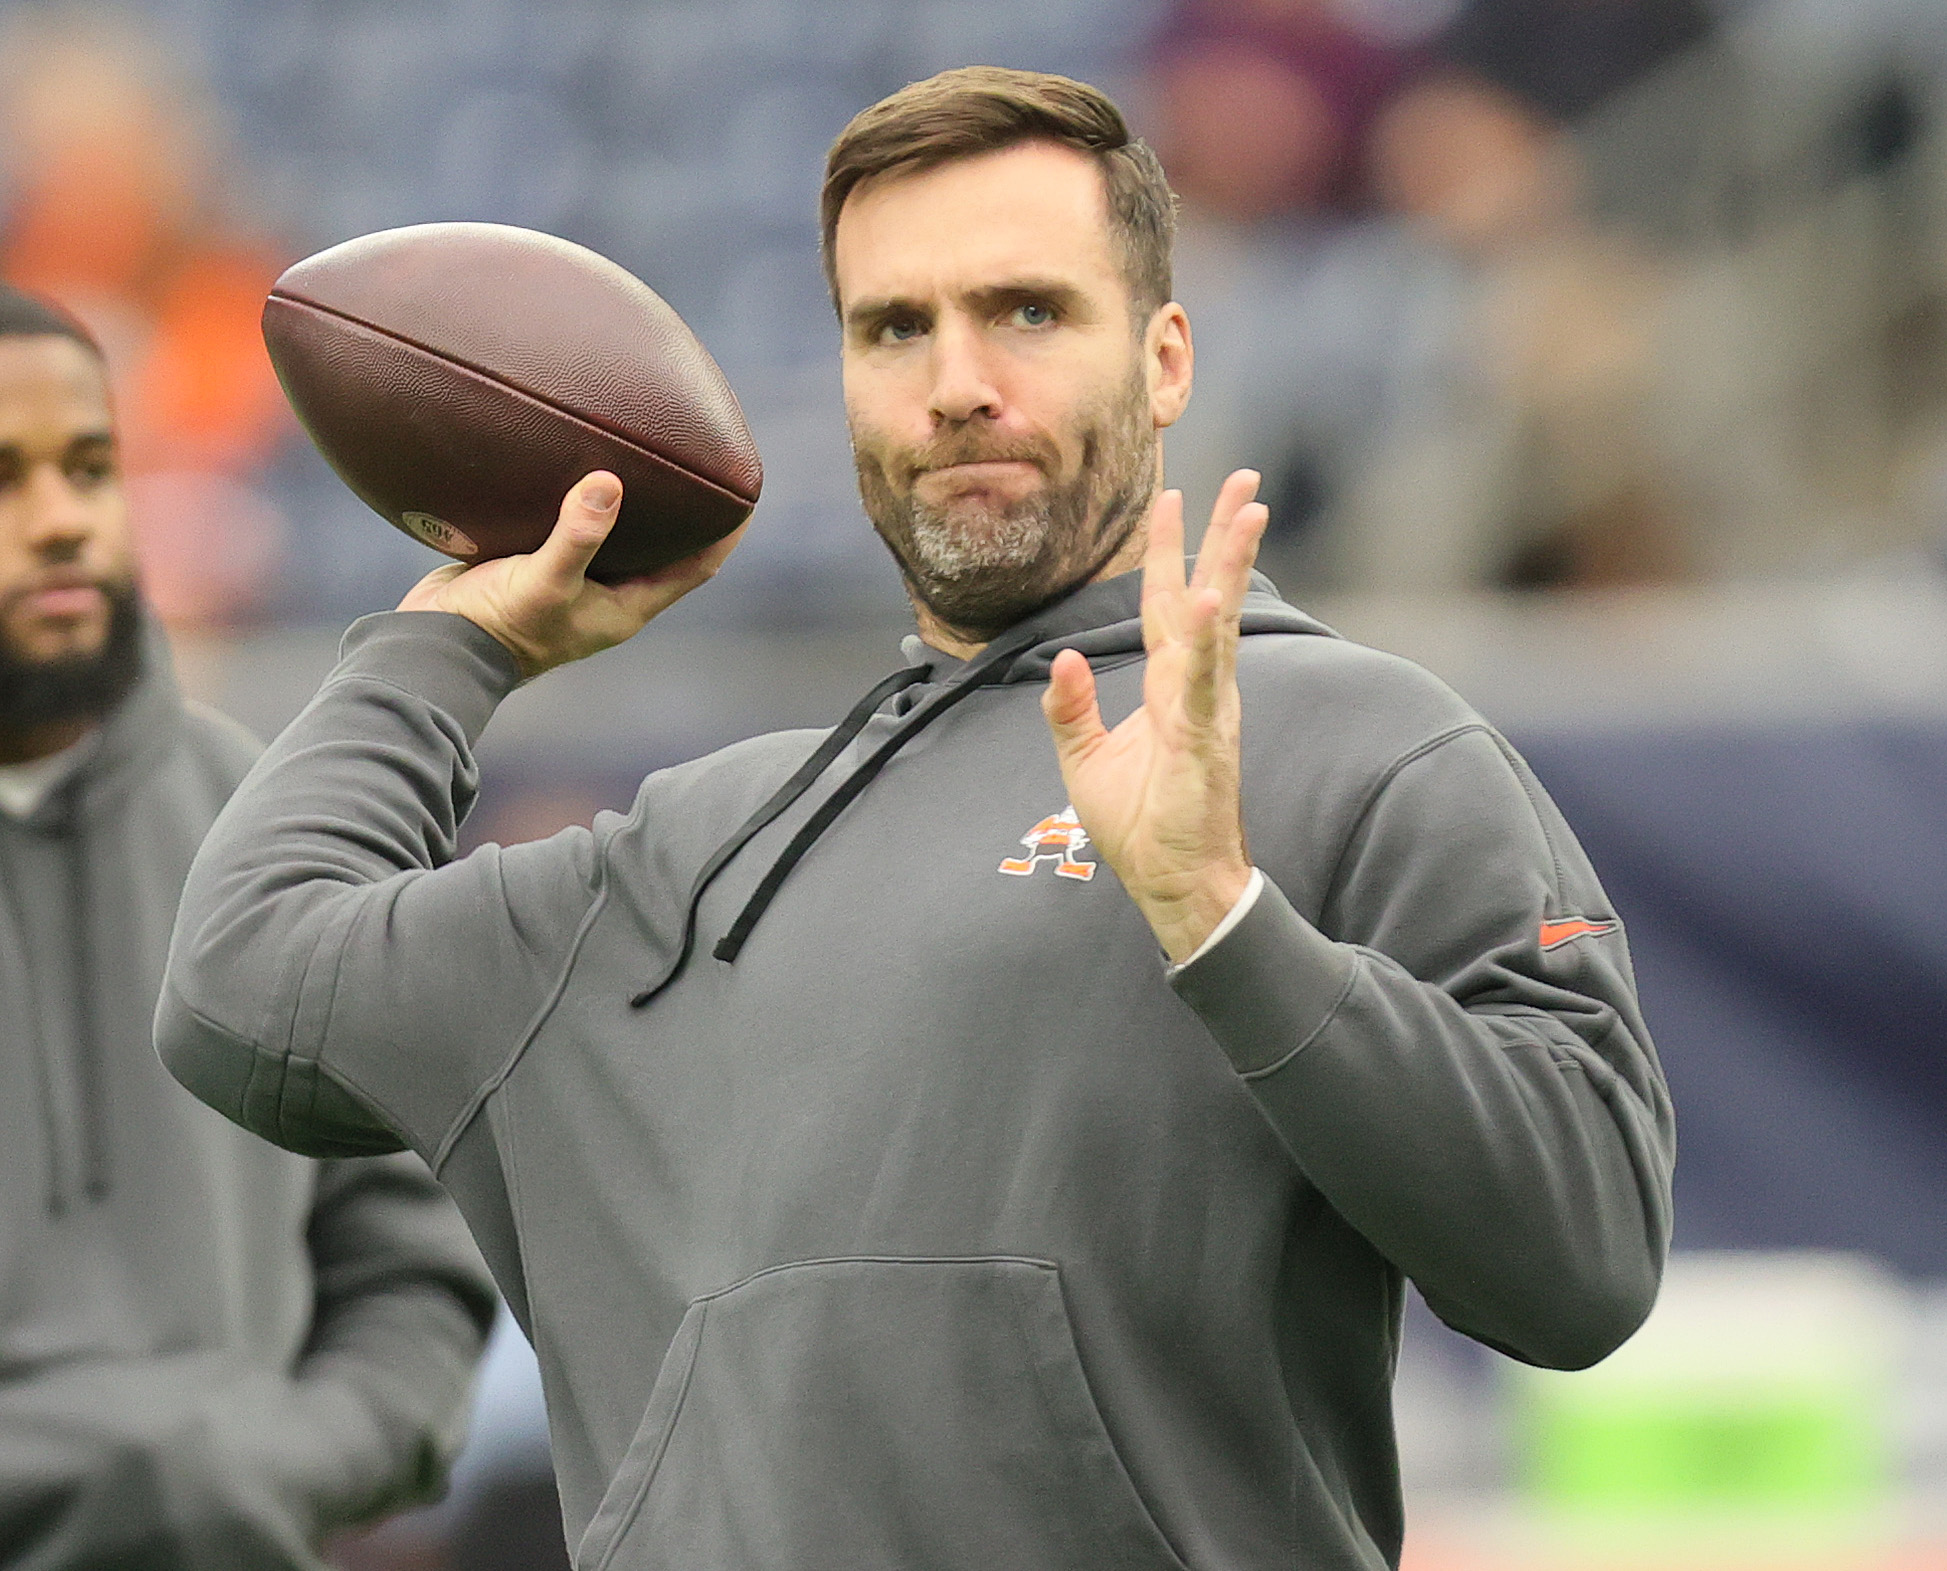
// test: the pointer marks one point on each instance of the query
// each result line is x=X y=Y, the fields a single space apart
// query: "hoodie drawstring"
x=93 y=1075
x=44 y=1068
x=984 y=672
x=783 y=797
x=987 y=668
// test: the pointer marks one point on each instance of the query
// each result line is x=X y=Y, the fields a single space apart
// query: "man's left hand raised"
x=1160 y=795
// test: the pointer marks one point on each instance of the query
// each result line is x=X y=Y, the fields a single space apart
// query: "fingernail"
x=601 y=495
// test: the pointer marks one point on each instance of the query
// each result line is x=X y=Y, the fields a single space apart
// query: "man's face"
x=67 y=583
x=1004 y=403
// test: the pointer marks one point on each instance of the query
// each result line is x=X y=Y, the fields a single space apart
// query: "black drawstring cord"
x=982 y=673
x=90 y=1070
x=52 y=1145
x=93 y=1071
x=814 y=766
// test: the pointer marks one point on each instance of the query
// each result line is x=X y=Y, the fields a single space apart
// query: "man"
x=916 y=1212
x=212 y=1353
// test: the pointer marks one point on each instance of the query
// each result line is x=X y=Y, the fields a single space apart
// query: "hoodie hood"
x=135 y=733
x=1103 y=621
x=73 y=1079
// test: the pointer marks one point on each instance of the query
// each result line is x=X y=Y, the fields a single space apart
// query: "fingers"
x=1163 y=570
x=1230 y=545
x=637 y=600
x=1210 y=649
x=1069 y=704
x=1236 y=499
x=1213 y=608
x=588 y=513
x=1236 y=555
x=1163 y=555
x=1216 y=597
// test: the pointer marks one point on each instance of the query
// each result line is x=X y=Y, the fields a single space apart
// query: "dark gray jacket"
x=938 y=1227
x=212 y=1352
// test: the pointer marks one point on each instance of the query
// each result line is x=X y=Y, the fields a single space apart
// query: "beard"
x=74 y=687
x=982 y=566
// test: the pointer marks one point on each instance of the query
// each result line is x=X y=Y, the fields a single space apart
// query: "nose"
x=964 y=387
x=57 y=518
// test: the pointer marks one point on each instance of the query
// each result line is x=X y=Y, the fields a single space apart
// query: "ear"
x=1169 y=359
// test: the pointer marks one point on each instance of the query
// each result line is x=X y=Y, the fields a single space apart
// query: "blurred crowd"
x=1561 y=293
x=1504 y=294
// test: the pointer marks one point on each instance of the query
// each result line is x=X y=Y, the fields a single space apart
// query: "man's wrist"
x=1184 y=920
x=448 y=660
x=1223 y=929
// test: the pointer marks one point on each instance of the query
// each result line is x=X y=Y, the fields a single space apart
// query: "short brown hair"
x=983 y=109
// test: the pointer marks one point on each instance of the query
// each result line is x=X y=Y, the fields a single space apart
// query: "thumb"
x=588 y=513
x=1069 y=704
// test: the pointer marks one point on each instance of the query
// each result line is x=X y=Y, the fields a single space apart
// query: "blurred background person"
x=1528 y=456
x=1444 y=356
x=117 y=207
x=212 y=1354
x=1304 y=307
x=1567 y=57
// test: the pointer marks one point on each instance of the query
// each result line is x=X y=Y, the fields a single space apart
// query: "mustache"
x=63 y=578
x=967 y=446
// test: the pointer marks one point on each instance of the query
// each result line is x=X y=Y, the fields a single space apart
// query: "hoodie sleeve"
x=199 y=1460
x=345 y=988
x=404 y=1305
x=1457 y=1060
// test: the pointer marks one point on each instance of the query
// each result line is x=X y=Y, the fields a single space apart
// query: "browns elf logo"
x=1059 y=839
x=1566 y=929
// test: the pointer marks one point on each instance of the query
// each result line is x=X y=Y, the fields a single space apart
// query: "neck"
x=936 y=634
x=963 y=645
x=27 y=743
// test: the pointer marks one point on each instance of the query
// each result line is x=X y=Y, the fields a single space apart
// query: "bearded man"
x=924 y=1214
x=213 y=1354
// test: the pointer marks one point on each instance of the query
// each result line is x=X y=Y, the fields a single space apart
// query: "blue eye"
x=1034 y=314
x=902 y=330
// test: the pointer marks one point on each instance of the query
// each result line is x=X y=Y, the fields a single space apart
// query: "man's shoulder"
x=187 y=770
x=735 y=779
x=1382 y=701
x=224 y=745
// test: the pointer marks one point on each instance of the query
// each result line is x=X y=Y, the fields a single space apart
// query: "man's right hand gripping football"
x=544 y=607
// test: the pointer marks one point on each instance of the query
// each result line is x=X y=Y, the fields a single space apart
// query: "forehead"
x=1035 y=210
x=49 y=386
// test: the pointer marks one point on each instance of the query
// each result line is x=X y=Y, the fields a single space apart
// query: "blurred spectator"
x=1566 y=56
x=1409 y=314
x=1562 y=337
x=1535 y=461
x=1264 y=105
x=114 y=205
x=1262 y=111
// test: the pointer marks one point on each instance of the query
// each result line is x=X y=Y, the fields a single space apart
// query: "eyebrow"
x=867 y=316
x=80 y=441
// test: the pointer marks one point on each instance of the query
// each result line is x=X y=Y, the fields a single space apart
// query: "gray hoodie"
x=212 y=1353
x=923 y=1219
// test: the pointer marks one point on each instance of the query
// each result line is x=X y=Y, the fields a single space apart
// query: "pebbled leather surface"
x=548 y=318
x=411 y=430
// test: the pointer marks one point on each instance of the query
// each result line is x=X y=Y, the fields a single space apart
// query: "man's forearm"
x=1510 y=1170
x=370 y=783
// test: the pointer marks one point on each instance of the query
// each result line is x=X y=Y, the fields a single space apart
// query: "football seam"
x=528 y=393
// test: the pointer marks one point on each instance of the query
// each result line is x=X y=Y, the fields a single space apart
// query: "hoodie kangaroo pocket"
x=852 y=1415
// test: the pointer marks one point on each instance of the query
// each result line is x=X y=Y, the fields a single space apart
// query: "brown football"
x=461 y=377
